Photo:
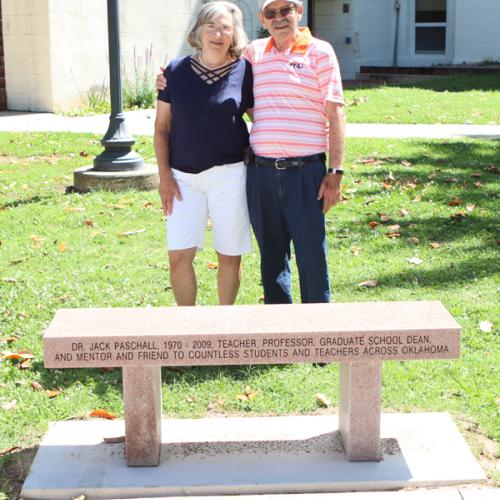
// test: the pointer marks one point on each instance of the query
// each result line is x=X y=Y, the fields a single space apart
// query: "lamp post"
x=118 y=167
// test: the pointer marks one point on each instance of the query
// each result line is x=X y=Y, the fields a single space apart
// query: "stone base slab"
x=258 y=455
x=143 y=179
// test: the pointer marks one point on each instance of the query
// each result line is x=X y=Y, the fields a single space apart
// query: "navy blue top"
x=207 y=119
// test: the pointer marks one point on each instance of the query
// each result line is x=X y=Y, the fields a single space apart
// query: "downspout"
x=397 y=7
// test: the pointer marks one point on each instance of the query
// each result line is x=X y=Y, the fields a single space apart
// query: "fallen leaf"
x=486 y=326
x=435 y=245
x=384 y=217
x=394 y=227
x=25 y=364
x=432 y=176
x=10 y=340
x=406 y=163
x=83 y=153
x=9 y=405
x=212 y=265
x=36 y=386
x=130 y=233
x=387 y=185
x=74 y=209
x=451 y=180
x=89 y=223
x=368 y=284
x=114 y=439
x=10 y=355
x=103 y=414
x=247 y=395
x=478 y=185
x=373 y=224
x=417 y=199
x=62 y=246
x=476 y=175
x=393 y=235
x=415 y=260
x=18 y=261
x=458 y=216
x=355 y=251
x=148 y=204
x=52 y=394
x=470 y=208
x=403 y=212
x=323 y=400
x=455 y=203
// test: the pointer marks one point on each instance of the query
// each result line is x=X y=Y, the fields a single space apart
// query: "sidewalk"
x=141 y=122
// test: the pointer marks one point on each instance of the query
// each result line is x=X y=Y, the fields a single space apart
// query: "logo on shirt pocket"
x=296 y=65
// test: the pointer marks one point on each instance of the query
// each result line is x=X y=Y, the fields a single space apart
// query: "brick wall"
x=3 y=96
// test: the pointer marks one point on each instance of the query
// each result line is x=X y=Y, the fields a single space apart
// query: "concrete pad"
x=264 y=455
x=480 y=494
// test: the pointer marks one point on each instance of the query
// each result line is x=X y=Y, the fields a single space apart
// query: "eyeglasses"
x=283 y=12
x=214 y=28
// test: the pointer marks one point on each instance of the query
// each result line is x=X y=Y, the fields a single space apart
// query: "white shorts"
x=219 y=194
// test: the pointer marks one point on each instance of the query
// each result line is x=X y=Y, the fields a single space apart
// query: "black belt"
x=292 y=162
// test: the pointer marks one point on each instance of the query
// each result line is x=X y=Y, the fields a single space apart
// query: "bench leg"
x=142 y=396
x=359 y=409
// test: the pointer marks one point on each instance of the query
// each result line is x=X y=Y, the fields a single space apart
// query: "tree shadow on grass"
x=440 y=276
x=25 y=201
x=102 y=380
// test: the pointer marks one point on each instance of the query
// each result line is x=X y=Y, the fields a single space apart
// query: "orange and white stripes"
x=291 y=89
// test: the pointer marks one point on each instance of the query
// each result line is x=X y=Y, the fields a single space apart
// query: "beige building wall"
x=27 y=54
x=56 y=51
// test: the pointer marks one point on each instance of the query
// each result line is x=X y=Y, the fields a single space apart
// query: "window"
x=430 y=26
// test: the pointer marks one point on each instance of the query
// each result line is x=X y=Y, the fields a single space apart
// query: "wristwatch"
x=336 y=171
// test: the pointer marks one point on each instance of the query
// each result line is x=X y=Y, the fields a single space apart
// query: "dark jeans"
x=283 y=207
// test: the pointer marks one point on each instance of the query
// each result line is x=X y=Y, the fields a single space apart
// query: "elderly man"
x=298 y=116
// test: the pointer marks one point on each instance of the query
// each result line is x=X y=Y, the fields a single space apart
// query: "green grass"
x=61 y=250
x=466 y=98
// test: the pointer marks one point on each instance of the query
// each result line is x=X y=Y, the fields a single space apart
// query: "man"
x=298 y=116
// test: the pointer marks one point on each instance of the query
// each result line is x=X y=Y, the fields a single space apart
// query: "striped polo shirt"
x=291 y=89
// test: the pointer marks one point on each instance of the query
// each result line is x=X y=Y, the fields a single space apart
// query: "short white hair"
x=208 y=13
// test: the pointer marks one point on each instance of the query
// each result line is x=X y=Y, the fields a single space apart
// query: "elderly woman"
x=200 y=138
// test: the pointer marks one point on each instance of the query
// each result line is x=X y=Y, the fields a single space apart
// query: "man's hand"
x=161 y=81
x=169 y=190
x=329 y=191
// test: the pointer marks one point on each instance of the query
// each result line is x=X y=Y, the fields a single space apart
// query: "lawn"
x=468 y=98
x=434 y=201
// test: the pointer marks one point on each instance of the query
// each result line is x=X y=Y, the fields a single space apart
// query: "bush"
x=139 y=90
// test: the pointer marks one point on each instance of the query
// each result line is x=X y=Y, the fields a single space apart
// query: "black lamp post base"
x=88 y=179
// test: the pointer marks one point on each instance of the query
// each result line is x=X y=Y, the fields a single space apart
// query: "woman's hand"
x=161 y=81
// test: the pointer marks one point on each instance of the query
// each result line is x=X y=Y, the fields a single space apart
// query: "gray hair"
x=208 y=13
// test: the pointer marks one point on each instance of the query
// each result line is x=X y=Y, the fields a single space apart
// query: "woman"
x=200 y=139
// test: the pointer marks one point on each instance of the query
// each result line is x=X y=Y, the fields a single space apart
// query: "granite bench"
x=360 y=336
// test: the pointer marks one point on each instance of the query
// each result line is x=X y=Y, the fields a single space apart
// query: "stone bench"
x=358 y=335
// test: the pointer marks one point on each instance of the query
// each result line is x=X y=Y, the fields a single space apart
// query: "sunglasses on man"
x=283 y=12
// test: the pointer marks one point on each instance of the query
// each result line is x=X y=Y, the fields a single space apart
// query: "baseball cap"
x=264 y=3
